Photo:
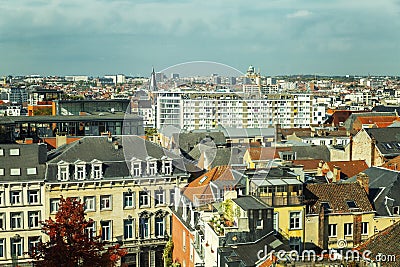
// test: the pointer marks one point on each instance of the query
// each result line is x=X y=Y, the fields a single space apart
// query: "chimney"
x=336 y=174
x=109 y=138
x=319 y=169
x=116 y=145
x=351 y=148
x=373 y=145
x=363 y=180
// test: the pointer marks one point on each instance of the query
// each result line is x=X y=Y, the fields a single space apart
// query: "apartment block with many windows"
x=206 y=110
x=22 y=172
x=126 y=187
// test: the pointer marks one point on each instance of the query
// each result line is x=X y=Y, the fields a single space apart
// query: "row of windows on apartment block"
x=129 y=200
x=105 y=230
x=347 y=229
x=16 y=222
x=295 y=223
x=96 y=170
x=16 y=197
x=17 y=245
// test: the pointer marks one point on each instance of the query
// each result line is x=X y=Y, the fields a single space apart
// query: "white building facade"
x=206 y=110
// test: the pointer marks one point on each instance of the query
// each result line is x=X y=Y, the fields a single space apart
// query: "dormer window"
x=96 y=170
x=80 y=170
x=151 y=167
x=136 y=167
x=167 y=166
x=63 y=171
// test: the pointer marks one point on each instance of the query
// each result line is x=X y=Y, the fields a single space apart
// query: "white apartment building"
x=206 y=110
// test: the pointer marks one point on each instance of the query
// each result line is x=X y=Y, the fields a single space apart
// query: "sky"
x=99 y=37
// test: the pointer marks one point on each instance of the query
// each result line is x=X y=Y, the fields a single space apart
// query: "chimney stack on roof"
x=363 y=180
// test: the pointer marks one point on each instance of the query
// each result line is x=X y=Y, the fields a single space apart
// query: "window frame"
x=348 y=229
x=364 y=228
x=159 y=222
x=92 y=200
x=34 y=196
x=295 y=222
x=104 y=198
x=128 y=200
x=16 y=220
x=14 y=197
x=143 y=197
x=157 y=194
x=17 y=247
x=129 y=229
x=33 y=219
x=332 y=230
x=106 y=230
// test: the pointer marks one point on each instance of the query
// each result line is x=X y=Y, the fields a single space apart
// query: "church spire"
x=153 y=83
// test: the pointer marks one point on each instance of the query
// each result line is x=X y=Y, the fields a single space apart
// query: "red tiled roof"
x=348 y=168
x=201 y=185
x=376 y=119
x=309 y=164
x=336 y=196
x=385 y=242
x=262 y=153
x=393 y=164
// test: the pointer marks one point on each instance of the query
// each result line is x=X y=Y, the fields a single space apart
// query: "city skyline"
x=279 y=37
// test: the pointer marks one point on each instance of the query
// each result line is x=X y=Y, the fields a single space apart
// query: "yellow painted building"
x=127 y=185
x=285 y=195
x=340 y=216
x=136 y=216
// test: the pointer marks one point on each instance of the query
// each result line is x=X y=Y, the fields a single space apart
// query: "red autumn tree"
x=69 y=245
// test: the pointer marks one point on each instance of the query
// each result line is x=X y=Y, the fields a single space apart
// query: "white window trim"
x=300 y=220
x=14 y=151
x=63 y=172
x=362 y=228
x=329 y=230
x=15 y=172
x=136 y=168
x=37 y=196
x=31 y=171
x=97 y=174
x=152 y=167
x=345 y=228
x=80 y=172
x=93 y=199
x=110 y=202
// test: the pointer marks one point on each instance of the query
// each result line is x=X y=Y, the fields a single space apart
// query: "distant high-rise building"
x=271 y=81
x=217 y=80
x=232 y=80
x=206 y=110
x=159 y=77
x=17 y=95
x=174 y=76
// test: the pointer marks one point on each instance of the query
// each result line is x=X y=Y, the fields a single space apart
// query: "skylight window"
x=351 y=204
x=326 y=206
x=203 y=179
x=387 y=145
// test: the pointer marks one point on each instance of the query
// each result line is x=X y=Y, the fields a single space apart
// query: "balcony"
x=282 y=200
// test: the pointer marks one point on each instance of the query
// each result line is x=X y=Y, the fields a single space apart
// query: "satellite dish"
x=329 y=175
